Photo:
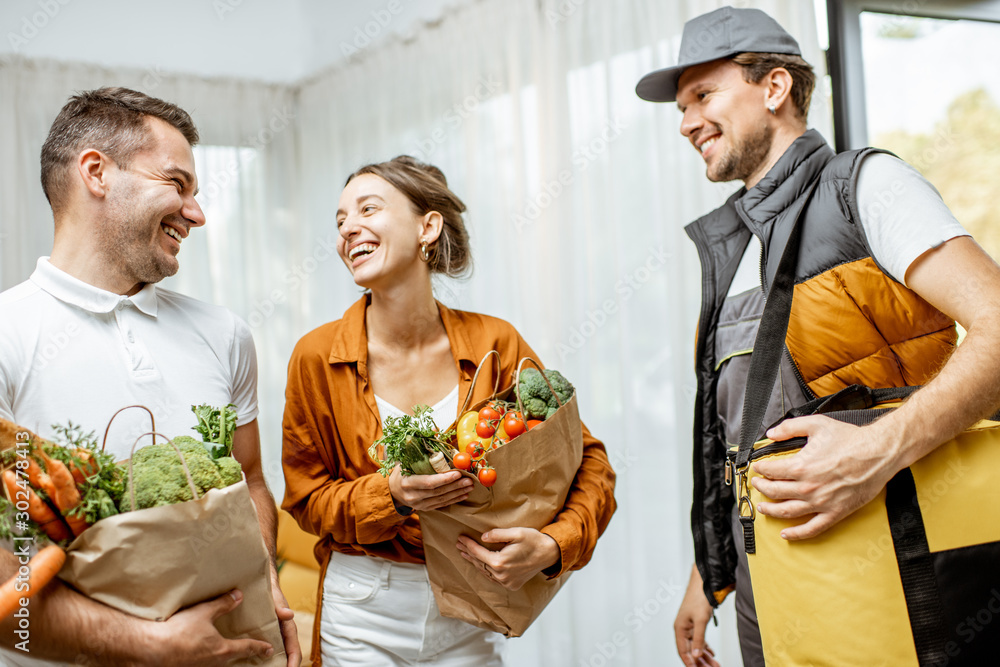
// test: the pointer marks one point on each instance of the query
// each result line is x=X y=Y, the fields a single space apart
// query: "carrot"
x=38 y=511
x=77 y=524
x=42 y=569
x=39 y=479
x=65 y=495
x=83 y=465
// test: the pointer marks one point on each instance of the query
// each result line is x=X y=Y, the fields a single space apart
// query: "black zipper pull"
x=749 y=541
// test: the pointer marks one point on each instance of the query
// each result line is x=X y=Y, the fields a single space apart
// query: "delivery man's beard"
x=744 y=158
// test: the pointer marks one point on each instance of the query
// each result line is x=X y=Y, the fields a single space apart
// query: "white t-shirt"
x=442 y=414
x=902 y=214
x=73 y=352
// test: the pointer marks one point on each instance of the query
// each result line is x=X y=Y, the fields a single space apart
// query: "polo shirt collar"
x=352 y=346
x=75 y=292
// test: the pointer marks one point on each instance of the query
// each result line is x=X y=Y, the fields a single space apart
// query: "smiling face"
x=726 y=119
x=150 y=207
x=380 y=233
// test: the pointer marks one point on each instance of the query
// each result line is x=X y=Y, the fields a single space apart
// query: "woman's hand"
x=428 y=492
x=525 y=553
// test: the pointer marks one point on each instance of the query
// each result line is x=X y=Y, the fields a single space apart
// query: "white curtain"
x=577 y=193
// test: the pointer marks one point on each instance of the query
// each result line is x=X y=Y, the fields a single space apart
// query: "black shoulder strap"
x=770 y=341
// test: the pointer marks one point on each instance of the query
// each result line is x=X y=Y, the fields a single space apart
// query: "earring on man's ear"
x=774 y=112
x=424 y=254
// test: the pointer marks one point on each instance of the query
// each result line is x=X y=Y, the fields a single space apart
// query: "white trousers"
x=376 y=612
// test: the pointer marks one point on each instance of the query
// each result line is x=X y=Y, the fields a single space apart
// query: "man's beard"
x=128 y=239
x=744 y=158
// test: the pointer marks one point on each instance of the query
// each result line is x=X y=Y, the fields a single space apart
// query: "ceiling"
x=255 y=39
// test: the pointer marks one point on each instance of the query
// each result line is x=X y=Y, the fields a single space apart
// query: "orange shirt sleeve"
x=327 y=496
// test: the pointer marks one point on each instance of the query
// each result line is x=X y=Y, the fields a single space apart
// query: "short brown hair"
x=758 y=65
x=111 y=120
x=427 y=189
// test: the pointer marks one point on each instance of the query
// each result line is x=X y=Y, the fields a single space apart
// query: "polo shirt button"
x=131 y=338
x=121 y=305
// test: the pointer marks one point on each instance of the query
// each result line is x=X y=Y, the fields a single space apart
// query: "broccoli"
x=538 y=400
x=159 y=477
x=230 y=470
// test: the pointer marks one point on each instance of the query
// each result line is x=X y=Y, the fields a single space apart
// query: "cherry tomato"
x=485 y=429
x=532 y=423
x=462 y=461
x=513 y=424
x=488 y=476
x=489 y=414
x=475 y=449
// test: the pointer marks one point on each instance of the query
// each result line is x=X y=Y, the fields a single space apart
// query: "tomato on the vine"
x=487 y=476
x=513 y=424
x=489 y=414
x=475 y=449
x=485 y=429
x=462 y=461
x=532 y=423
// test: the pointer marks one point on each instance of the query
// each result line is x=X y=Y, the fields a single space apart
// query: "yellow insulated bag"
x=911 y=578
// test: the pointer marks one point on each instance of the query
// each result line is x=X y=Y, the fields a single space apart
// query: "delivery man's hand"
x=689 y=626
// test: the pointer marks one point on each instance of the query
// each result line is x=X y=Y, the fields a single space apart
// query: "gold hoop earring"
x=424 y=254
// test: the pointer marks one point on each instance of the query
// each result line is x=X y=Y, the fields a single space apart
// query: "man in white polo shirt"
x=89 y=333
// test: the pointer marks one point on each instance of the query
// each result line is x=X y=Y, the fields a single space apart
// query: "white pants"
x=376 y=612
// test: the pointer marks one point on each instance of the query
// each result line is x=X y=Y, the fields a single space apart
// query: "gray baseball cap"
x=722 y=33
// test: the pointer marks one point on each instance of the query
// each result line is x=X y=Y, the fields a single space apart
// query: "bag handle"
x=187 y=473
x=496 y=382
x=152 y=422
x=517 y=381
x=765 y=360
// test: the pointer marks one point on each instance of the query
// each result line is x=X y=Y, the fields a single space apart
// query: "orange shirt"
x=333 y=488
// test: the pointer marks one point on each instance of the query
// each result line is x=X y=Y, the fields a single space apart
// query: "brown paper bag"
x=534 y=473
x=153 y=562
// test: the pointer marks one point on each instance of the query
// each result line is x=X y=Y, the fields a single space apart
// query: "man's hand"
x=525 y=553
x=840 y=469
x=689 y=626
x=190 y=638
x=428 y=492
x=289 y=634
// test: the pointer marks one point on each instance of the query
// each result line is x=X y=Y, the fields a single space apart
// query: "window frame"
x=845 y=60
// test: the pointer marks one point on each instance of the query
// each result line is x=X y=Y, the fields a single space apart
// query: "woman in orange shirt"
x=397 y=346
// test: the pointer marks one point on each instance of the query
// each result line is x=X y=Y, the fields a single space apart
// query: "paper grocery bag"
x=534 y=473
x=153 y=562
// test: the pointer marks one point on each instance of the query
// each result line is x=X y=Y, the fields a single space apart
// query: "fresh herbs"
x=410 y=442
x=216 y=427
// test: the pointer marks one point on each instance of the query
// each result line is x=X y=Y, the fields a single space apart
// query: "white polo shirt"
x=70 y=352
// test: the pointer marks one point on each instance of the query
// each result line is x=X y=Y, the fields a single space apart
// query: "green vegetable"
x=159 y=476
x=538 y=400
x=410 y=442
x=216 y=428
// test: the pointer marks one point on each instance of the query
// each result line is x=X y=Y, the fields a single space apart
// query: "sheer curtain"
x=577 y=194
